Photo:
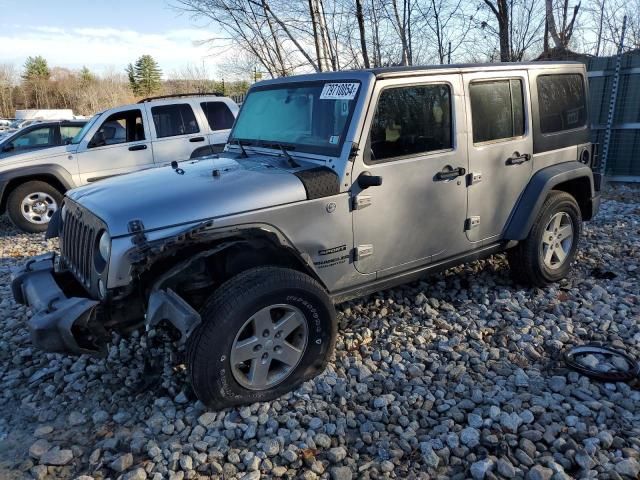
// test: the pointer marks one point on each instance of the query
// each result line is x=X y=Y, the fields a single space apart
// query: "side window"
x=172 y=120
x=497 y=110
x=40 y=137
x=67 y=132
x=562 y=102
x=411 y=120
x=121 y=127
x=218 y=115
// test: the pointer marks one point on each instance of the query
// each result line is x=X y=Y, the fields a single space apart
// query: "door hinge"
x=362 y=251
x=361 y=201
x=472 y=222
x=474 y=177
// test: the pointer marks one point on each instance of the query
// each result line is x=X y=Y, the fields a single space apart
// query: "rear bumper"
x=59 y=323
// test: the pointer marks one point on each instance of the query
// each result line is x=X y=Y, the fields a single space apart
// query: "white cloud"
x=103 y=47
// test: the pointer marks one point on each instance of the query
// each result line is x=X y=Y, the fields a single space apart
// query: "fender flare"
x=51 y=170
x=536 y=191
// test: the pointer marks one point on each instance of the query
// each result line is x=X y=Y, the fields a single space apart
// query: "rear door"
x=117 y=144
x=220 y=117
x=176 y=133
x=500 y=149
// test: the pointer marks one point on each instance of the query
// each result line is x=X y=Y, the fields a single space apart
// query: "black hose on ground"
x=573 y=356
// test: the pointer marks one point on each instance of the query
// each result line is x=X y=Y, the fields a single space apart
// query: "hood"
x=36 y=154
x=164 y=197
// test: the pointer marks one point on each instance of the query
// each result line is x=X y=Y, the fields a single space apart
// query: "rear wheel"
x=545 y=256
x=263 y=333
x=31 y=205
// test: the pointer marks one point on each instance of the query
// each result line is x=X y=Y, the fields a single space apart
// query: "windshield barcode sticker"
x=339 y=91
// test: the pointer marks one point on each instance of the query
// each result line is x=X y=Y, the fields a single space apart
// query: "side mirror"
x=8 y=147
x=366 y=180
x=67 y=141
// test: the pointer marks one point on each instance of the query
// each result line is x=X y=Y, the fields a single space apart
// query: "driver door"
x=118 y=144
x=417 y=145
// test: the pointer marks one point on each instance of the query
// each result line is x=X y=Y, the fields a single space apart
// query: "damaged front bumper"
x=59 y=323
x=65 y=323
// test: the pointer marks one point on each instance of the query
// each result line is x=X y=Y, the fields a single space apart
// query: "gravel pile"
x=458 y=376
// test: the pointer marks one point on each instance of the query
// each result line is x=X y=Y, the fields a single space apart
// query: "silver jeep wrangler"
x=331 y=186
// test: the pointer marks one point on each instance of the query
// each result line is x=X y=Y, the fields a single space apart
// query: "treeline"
x=37 y=85
x=282 y=37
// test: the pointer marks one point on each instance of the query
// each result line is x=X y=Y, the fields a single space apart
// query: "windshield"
x=308 y=117
x=78 y=138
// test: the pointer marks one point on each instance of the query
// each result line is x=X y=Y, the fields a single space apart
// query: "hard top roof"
x=392 y=72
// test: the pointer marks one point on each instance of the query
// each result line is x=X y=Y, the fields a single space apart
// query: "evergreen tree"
x=86 y=76
x=131 y=74
x=36 y=68
x=144 y=76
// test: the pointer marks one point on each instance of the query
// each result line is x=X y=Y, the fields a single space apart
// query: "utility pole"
x=612 y=101
x=600 y=28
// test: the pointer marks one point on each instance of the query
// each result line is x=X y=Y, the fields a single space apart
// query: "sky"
x=104 y=35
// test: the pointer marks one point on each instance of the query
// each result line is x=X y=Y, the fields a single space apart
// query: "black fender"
x=536 y=191
x=12 y=177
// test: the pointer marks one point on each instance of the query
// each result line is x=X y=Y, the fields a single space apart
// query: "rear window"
x=173 y=120
x=218 y=115
x=562 y=102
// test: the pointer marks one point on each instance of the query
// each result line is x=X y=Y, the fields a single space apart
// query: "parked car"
x=120 y=140
x=332 y=186
x=5 y=124
x=39 y=136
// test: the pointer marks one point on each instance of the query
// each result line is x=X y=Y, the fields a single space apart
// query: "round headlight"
x=104 y=246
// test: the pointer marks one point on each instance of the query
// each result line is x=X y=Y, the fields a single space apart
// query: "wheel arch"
x=224 y=254
x=54 y=175
x=573 y=178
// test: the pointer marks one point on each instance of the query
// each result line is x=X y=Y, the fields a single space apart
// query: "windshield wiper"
x=290 y=160
x=244 y=152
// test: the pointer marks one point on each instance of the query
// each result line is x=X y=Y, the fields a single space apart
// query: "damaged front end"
x=61 y=323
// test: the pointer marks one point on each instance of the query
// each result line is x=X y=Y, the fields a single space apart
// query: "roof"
x=462 y=67
x=390 y=72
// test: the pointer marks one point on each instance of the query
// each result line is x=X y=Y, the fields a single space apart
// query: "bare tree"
x=560 y=32
x=361 y=30
x=8 y=82
x=401 y=21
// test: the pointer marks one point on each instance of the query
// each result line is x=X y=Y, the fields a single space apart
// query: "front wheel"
x=263 y=333
x=31 y=205
x=545 y=256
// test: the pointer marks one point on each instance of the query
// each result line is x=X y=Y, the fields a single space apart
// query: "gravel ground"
x=458 y=376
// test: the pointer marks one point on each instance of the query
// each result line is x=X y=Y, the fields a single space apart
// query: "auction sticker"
x=339 y=91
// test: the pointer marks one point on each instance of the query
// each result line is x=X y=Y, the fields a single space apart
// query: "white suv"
x=154 y=132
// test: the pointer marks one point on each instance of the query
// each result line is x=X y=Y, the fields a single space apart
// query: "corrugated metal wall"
x=624 y=150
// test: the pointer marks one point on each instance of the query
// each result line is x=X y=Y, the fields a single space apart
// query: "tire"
x=258 y=300
x=538 y=260
x=23 y=201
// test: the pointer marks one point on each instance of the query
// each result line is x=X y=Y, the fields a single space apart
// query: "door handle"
x=449 y=173
x=134 y=148
x=517 y=159
x=196 y=139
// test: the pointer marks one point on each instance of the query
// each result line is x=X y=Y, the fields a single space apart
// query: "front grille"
x=77 y=243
